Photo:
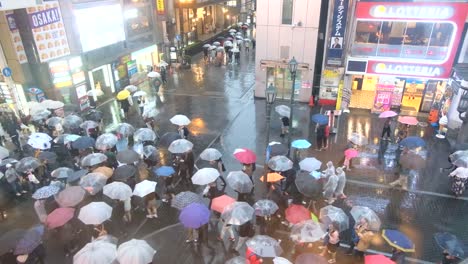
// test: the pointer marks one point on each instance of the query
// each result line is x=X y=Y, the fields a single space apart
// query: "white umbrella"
x=460 y=172
x=280 y=163
x=144 y=188
x=228 y=43
x=139 y=93
x=180 y=120
x=210 y=154
x=163 y=64
x=205 y=176
x=283 y=110
x=135 y=251
x=51 y=104
x=180 y=146
x=40 y=136
x=154 y=74
x=310 y=164
x=39 y=141
x=207 y=45
x=96 y=252
x=131 y=88
x=96 y=93
x=95 y=213
x=247 y=40
x=212 y=47
x=220 y=49
x=35 y=107
x=216 y=43
x=118 y=191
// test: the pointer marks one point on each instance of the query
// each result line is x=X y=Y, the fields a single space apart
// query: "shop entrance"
x=412 y=96
x=281 y=79
x=363 y=91
x=102 y=83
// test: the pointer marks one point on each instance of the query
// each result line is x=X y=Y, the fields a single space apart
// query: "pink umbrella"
x=219 y=203
x=408 y=120
x=59 y=217
x=351 y=153
x=245 y=155
x=297 y=213
x=387 y=114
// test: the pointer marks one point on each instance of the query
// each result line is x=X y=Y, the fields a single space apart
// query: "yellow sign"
x=339 y=95
x=160 y=6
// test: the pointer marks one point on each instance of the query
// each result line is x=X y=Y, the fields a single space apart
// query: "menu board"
x=48 y=31
x=15 y=37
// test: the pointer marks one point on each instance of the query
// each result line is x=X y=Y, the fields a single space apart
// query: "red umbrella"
x=377 y=259
x=296 y=213
x=219 y=203
x=245 y=155
x=59 y=217
x=351 y=153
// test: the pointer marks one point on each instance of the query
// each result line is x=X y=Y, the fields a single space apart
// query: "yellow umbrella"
x=124 y=94
x=272 y=177
x=105 y=170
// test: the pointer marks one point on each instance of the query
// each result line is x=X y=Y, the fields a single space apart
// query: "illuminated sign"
x=408 y=69
x=160 y=7
x=409 y=11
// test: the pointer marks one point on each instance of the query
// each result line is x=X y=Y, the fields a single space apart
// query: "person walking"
x=364 y=238
x=329 y=188
x=386 y=129
x=183 y=132
x=332 y=242
x=341 y=183
x=125 y=105
x=152 y=203
x=141 y=104
x=284 y=126
x=459 y=184
x=14 y=180
x=219 y=165
x=163 y=72
x=246 y=231
x=12 y=128
x=321 y=137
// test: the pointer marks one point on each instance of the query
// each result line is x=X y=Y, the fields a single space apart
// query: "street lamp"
x=292 y=69
x=270 y=95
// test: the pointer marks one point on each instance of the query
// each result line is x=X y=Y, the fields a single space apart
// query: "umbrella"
x=272 y=177
x=144 y=188
x=210 y=154
x=45 y=192
x=461 y=162
x=310 y=164
x=51 y=104
x=216 y=43
x=125 y=129
x=330 y=214
x=239 y=181
x=232 y=30
x=89 y=124
x=164 y=171
x=83 y=142
x=4 y=153
x=245 y=155
x=123 y=95
x=39 y=144
x=387 y=114
x=219 y=203
x=450 y=244
x=280 y=163
x=93 y=182
x=118 y=191
x=205 y=176
x=106 y=171
x=139 y=93
x=358 y=139
x=131 y=88
x=235 y=50
x=54 y=121
x=412 y=161
x=359 y=212
x=377 y=259
x=237 y=213
x=182 y=199
x=70 y=138
x=40 y=136
x=460 y=173
x=31 y=239
x=180 y=146
x=301 y=144
x=308 y=185
x=296 y=213
x=95 y=213
x=48 y=156
x=220 y=49
x=398 y=240
x=412 y=142
x=93 y=159
x=194 y=215
x=458 y=154
x=70 y=196
x=59 y=217
x=96 y=252
x=151 y=153
x=35 y=107
x=72 y=121
x=10 y=239
x=7 y=160
x=207 y=45
x=154 y=74
x=168 y=138
x=408 y=120
x=212 y=47
x=135 y=251
x=228 y=43
x=77 y=175
x=264 y=246
x=281 y=260
x=128 y=156
x=144 y=134
x=277 y=149
x=350 y=153
x=28 y=163
x=265 y=207
x=320 y=119
x=122 y=173
x=308 y=258
x=40 y=115
x=94 y=115
x=306 y=232
x=237 y=260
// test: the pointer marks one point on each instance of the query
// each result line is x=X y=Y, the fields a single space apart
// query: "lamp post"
x=270 y=95
x=292 y=69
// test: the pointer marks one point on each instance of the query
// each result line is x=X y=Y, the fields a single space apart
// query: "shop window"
x=137 y=21
x=286 y=18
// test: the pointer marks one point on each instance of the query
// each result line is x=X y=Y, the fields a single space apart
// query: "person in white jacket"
x=341 y=183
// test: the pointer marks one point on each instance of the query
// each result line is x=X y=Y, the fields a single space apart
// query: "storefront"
x=102 y=83
x=145 y=58
x=401 y=54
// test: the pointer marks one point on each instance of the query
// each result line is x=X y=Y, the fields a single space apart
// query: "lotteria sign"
x=406 y=69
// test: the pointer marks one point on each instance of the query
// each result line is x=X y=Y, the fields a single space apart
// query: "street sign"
x=6 y=72
x=17 y=4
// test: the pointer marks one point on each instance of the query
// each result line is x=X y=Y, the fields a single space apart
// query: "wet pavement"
x=224 y=114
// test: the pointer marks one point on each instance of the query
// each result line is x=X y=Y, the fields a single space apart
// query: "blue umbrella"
x=195 y=215
x=31 y=239
x=398 y=240
x=320 y=119
x=413 y=142
x=10 y=239
x=450 y=243
x=301 y=144
x=45 y=192
x=164 y=171
x=83 y=142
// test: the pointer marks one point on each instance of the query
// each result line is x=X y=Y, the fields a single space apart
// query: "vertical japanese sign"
x=15 y=37
x=160 y=9
x=338 y=28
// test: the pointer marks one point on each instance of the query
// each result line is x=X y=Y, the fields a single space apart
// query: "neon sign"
x=408 y=69
x=407 y=11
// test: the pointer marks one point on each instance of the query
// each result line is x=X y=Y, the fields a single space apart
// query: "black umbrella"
x=83 y=142
x=94 y=115
x=128 y=156
x=124 y=172
x=9 y=240
x=47 y=155
x=75 y=176
x=28 y=163
x=168 y=138
x=308 y=185
x=278 y=150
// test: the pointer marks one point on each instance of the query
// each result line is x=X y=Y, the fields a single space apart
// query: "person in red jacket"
x=252 y=257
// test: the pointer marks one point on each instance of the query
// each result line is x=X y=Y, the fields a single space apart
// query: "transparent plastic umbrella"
x=210 y=154
x=89 y=124
x=239 y=181
x=93 y=182
x=40 y=115
x=182 y=199
x=51 y=104
x=117 y=191
x=4 y=153
x=72 y=121
x=310 y=164
x=93 y=159
x=180 y=120
x=280 y=163
x=205 y=176
x=144 y=134
x=238 y=213
x=54 y=121
x=106 y=141
x=125 y=129
x=28 y=163
x=358 y=139
x=96 y=252
x=283 y=110
x=329 y=214
x=135 y=251
x=265 y=207
x=237 y=260
x=95 y=213
x=264 y=246
x=306 y=232
x=180 y=146
x=359 y=212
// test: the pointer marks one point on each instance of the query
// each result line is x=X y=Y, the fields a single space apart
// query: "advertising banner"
x=383 y=98
x=161 y=10
x=17 y=4
x=48 y=31
x=15 y=37
x=338 y=27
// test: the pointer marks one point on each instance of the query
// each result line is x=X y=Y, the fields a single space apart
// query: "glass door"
x=282 y=80
x=429 y=93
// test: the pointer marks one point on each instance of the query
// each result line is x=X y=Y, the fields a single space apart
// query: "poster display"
x=15 y=37
x=383 y=98
x=329 y=82
x=48 y=31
